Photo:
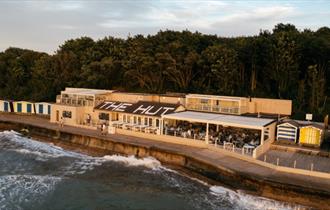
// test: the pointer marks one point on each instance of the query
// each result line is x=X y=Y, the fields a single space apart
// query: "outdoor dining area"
x=138 y=124
x=185 y=129
x=217 y=135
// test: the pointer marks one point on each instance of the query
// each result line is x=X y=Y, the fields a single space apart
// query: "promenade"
x=215 y=158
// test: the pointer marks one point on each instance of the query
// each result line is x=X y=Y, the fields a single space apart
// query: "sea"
x=36 y=175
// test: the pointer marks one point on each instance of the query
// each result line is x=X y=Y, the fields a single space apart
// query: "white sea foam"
x=246 y=201
x=16 y=190
x=148 y=162
x=35 y=147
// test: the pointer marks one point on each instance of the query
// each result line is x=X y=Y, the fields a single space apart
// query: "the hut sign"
x=114 y=106
x=139 y=108
x=152 y=110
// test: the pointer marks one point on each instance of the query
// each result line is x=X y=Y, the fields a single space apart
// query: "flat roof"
x=140 y=108
x=221 y=119
x=85 y=91
x=233 y=98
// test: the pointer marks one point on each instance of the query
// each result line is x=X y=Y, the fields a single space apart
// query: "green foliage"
x=282 y=63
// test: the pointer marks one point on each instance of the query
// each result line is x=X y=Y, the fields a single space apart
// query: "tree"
x=224 y=68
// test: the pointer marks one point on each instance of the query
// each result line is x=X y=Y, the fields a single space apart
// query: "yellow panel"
x=309 y=135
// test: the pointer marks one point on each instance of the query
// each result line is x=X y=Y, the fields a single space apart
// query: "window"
x=135 y=120
x=103 y=116
x=139 y=120
x=67 y=114
x=157 y=122
x=124 y=118
x=150 y=121
x=204 y=101
x=145 y=121
x=49 y=109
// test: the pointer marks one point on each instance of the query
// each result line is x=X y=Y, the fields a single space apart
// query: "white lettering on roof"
x=122 y=107
x=141 y=109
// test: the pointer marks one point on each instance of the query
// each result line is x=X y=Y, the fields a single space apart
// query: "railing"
x=216 y=108
x=75 y=102
x=261 y=149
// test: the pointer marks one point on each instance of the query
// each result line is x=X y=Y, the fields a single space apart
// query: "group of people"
x=186 y=131
x=238 y=136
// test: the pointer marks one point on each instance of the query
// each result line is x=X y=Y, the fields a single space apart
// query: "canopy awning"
x=221 y=119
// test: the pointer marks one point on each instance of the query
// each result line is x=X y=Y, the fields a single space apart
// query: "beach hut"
x=42 y=108
x=5 y=106
x=311 y=135
x=23 y=107
x=287 y=131
x=2 y=106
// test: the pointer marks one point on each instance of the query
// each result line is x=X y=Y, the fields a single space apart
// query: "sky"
x=43 y=25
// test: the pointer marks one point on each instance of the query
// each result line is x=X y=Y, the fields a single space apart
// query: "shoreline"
x=306 y=195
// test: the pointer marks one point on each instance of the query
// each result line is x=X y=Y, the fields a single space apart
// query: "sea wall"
x=187 y=163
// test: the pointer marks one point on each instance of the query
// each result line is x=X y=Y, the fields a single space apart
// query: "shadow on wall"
x=326 y=143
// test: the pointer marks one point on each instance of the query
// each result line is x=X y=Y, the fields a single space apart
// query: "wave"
x=246 y=201
x=19 y=190
x=148 y=162
x=35 y=147
x=80 y=163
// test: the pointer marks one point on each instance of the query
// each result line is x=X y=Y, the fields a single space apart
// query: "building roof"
x=85 y=91
x=202 y=96
x=315 y=125
x=290 y=121
x=221 y=119
x=140 y=108
x=303 y=123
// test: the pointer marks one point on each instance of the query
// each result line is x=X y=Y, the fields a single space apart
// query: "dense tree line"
x=282 y=63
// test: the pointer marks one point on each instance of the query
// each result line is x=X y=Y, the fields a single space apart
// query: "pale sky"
x=43 y=25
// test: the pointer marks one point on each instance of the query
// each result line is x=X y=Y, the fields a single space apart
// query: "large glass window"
x=104 y=116
x=67 y=114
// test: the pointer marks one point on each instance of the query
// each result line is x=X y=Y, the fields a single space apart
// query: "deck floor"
x=303 y=161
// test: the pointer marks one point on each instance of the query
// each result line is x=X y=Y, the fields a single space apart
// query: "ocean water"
x=36 y=175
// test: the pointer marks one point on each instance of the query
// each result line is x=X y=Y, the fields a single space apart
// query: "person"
x=101 y=129
x=62 y=122
x=88 y=119
x=104 y=130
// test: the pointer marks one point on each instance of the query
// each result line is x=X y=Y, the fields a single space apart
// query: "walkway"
x=205 y=155
x=303 y=161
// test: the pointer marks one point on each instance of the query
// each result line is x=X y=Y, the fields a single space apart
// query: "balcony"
x=215 y=108
x=74 y=102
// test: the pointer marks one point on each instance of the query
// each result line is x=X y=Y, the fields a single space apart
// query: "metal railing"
x=215 y=108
